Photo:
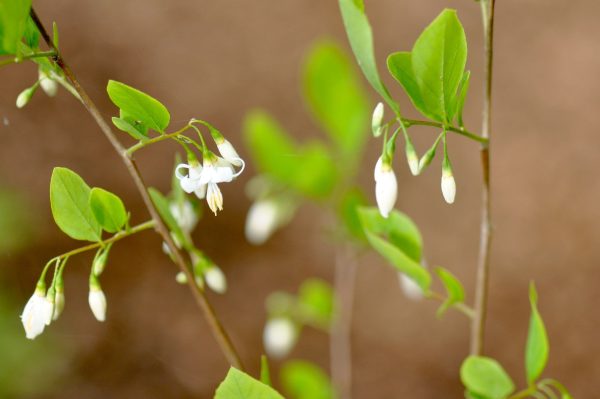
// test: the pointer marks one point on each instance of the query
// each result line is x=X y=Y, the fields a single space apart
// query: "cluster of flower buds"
x=45 y=81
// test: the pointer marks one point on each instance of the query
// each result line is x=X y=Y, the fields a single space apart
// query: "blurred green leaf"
x=398 y=240
x=454 y=289
x=108 y=209
x=460 y=103
x=360 y=36
x=69 y=199
x=239 y=385
x=31 y=35
x=336 y=98
x=265 y=374
x=138 y=106
x=13 y=22
x=485 y=377
x=162 y=205
x=348 y=207
x=304 y=380
x=316 y=301
x=536 y=351
x=127 y=127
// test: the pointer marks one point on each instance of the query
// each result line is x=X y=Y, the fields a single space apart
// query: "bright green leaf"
x=108 y=209
x=454 y=289
x=485 y=377
x=336 y=97
x=139 y=106
x=304 y=380
x=265 y=374
x=536 y=351
x=438 y=59
x=69 y=199
x=127 y=127
x=31 y=34
x=13 y=22
x=316 y=301
x=360 y=36
x=348 y=213
x=464 y=88
x=239 y=385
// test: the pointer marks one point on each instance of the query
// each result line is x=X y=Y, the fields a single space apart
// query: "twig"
x=199 y=295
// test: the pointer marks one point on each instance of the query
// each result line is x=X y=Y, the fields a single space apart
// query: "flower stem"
x=483 y=263
x=461 y=307
x=414 y=122
x=16 y=60
x=160 y=227
x=143 y=144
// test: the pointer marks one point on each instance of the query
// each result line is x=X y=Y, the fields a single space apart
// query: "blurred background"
x=216 y=60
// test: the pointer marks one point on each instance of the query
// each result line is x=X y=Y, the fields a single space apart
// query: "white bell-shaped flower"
x=448 y=186
x=386 y=187
x=262 y=221
x=35 y=314
x=97 y=300
x=279 y=336
x=215 y=279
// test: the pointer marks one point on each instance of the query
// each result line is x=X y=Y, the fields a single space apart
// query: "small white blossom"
x=377 y=120
x=184 y=214
x=97 y=301
x=448 y=186
x=262 y=221
x=35 y=314
x=49 y=85
x=215 y=279
x=386 y=188
x=411 y=289
x=279 y=336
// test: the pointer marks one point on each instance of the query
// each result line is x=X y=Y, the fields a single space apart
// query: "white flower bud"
x=229 y=153
x=97 y=301
x=411 y=289
x=215 y=279
x=181 y=278
x=377 y=120
x=262 y=221
x=448 y=186
x=35 y=313
x=279 y=336
x=386 y=188
x=25 y=96
x=49 y=308
x=49 y=86
x=59 y=303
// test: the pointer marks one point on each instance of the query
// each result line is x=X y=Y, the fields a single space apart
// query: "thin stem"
x=414 y=122
x=461 y=307
x=525 y=392
x=199 y=295
x=483 y=263
x=16 y=60
x=143 y=144
x=340 y=337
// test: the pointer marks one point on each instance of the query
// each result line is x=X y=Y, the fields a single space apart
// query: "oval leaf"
x=536 y=351
x=484 y=376
x=108 y=209
x=127 y=127
x=239 y=385
x=69 y=200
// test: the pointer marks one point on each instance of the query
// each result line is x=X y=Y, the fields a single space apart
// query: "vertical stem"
x=483 y=263
x=199 y=295
x=340 y=337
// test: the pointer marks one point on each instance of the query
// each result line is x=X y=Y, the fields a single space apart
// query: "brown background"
x=216 y=60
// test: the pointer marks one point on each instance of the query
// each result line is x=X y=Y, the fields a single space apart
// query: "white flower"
x=59 y=303
x=448 y=186
x=184 y=214
x=229 y=153
x=377 y=119
x=411 y=289
x=262 y=221
x=386 y=188
x=181 y=278
x=49 y=86
x=279 y=336
x=215 y=279
x=35 y=314
x=97 y=301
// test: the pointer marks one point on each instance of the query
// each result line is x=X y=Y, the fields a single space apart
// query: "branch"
x=199 y=295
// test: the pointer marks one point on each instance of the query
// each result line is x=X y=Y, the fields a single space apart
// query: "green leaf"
x=485 y=377
x=108 y=209
x=69 y=200
x=398 y=240
x=265 y=374
x=336 y=97
x=31 y=34
x=464 y=88
x=308 y=170
x=13 y=22
x=438 y=59
x=315 y=298
x=127 y=127
x=239 y=385
x=454 y=288
x=348 y=213
x=138 y=106
x=360 y=36
x=162 y=205
x=304 y=380
x=536 y=351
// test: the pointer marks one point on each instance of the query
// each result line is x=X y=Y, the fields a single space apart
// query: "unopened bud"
x=25 y=96
x=97 y=299
x=262 y=221
x=279 y=336
x=181 y=278
x=377 y=120
x=215 y=279
x=448 y=186
x=49 y=85
x=386 y=187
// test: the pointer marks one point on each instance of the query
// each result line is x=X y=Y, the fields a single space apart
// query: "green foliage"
x=398 y=240
x=308 y=170
x=16 y=224
x=69 y=199
x=108 y=209
x=239 y=385
x=316 y=302
x=136 y=131
x=162 y=205
x=13 y=23
x=485 y=378
x=336 y=98
x=347 y=209
x=304 y=380
x=454 y=288
x=360 y=36
x=31 y=36
x=138 y=108
x=536 y=351
x=265 y=374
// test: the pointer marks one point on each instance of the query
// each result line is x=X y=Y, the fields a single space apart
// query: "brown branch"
x=160 y=227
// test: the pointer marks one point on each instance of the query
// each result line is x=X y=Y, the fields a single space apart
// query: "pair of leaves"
x=14 y=15
x=308 y=169
x=139 y=112
x=433 y=73
x=82 y=212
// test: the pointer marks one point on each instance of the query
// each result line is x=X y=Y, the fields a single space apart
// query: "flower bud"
x=35 y=313
x=100 y=262
x=386 y=187
x=97 y=299
x=49 y=85
x=59 y=302
x=262 y=221
x=411 y=156
x=279 y=336
x=215 y=279
x=25 y=96
x=229 y=153
x=411 y=289
x=448 y=186
x=377 y=120
x=181 y=278
x=49 y=308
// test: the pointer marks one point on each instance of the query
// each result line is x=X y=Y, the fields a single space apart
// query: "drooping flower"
x=448 y=186
x=279 y=336
x=97 y=299
x=386 y=187
x=36 y=311
x=262 y=221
